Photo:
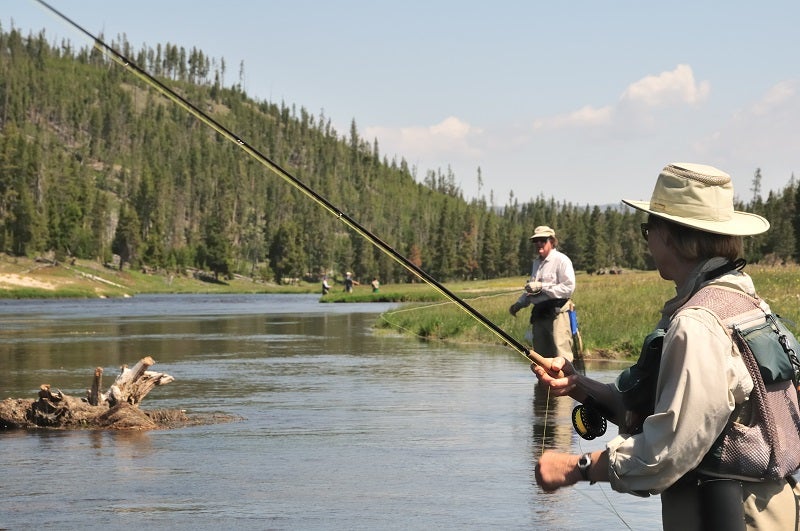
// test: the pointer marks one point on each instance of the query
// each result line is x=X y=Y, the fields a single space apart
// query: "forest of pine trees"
x=94 y=164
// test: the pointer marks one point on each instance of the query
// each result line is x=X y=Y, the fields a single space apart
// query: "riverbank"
x=615 y=312
x=22 y=278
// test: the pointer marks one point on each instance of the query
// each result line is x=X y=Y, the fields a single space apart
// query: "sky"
x=582 y=101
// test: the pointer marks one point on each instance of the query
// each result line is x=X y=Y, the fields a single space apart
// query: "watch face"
x=583 y=466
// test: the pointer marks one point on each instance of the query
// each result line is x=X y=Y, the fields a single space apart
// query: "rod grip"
x=541 y=361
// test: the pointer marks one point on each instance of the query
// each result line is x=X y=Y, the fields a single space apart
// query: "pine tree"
x=126 y=238
x=286 y=253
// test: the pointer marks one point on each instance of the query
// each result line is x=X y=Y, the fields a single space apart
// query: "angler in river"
x=549 y=290
x=679 y=441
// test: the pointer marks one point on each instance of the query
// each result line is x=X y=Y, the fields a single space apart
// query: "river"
x=341 y=427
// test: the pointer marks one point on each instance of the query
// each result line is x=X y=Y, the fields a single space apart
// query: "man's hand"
x=555 y=470
x=560 y=377
x=515 y=308
x=534 y=287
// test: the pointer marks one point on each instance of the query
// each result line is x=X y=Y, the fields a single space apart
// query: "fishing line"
x=434 y=305
x=385 y=316
x=505 y=338
x=609 y=506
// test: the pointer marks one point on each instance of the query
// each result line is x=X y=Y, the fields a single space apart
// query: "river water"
x=341 y=427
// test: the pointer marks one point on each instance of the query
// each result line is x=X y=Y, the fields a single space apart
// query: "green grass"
x=37 y=293
x=615 y=312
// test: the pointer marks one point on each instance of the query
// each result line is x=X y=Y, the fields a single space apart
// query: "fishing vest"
x=762 y=437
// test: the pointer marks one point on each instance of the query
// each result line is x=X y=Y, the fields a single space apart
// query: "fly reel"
x=588 y=422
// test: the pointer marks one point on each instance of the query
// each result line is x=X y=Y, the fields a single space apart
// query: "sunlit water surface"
x=342 y=427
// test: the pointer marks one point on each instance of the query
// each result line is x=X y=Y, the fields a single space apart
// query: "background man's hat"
x=701 y=197
x=543 y=231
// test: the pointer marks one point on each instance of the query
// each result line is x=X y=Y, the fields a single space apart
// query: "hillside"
x=96 y=165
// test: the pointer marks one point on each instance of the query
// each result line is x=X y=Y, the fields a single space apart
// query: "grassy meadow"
x=615 y=312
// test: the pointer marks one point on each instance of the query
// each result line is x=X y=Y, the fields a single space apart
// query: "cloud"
x=778 y=98
x=763 y=134
x=667 y=88
x=452 y=136
x=673 y=88
x=452 y=128
x=584 y=117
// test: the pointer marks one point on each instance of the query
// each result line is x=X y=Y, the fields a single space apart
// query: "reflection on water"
x=342 y=429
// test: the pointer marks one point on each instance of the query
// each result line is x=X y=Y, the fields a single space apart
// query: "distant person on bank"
x=549 y=290
x=349 y=282
x=326 y=287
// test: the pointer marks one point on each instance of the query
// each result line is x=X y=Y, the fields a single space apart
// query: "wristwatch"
x=583 y=465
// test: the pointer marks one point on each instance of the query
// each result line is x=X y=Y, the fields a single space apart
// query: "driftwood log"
x=131 y=386
x=118 y=408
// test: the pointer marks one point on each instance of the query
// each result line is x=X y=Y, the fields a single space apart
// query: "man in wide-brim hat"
x=702 y=385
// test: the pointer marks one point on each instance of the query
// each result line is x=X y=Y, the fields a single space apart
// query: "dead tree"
x=131 y=386
x=117 y=408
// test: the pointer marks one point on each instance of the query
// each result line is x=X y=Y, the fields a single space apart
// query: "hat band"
x=698 y=212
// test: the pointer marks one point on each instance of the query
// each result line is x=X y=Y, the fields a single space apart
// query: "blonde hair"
x=694 y=244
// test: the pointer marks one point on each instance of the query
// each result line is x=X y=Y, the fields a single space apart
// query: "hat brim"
x=740 y=224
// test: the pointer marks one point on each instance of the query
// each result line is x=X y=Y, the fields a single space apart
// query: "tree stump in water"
x=131 y=386
x=115 y=409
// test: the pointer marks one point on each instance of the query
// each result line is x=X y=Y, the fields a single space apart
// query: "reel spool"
x=588 y=422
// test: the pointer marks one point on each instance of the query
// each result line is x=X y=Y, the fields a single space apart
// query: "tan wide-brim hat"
x=543 y=231
x=701 y=197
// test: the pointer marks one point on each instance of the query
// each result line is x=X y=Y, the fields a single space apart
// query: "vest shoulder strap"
x=726 y=304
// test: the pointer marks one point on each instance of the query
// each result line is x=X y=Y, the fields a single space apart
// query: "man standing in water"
x=349 y=282
x=326 y=287
x=550 y=291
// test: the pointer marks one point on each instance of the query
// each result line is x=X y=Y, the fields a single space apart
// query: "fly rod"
x=299 y=185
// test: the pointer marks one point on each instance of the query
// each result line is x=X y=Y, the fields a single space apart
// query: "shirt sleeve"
x=524 y=300
x=695 y=395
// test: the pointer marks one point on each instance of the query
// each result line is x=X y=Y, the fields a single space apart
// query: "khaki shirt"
x=701 y=379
